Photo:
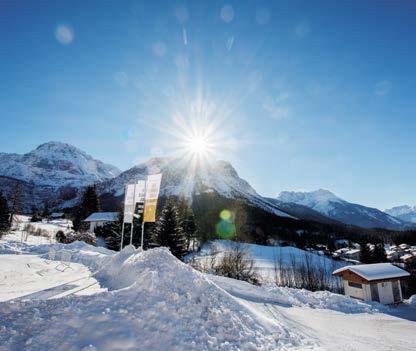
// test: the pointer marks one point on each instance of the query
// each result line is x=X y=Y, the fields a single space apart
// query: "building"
x=57 y=215
x=353 y=254
x=97 y=219
x=373 y=282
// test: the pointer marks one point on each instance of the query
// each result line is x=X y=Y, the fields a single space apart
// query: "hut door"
x=396 y=291
x=374 y=292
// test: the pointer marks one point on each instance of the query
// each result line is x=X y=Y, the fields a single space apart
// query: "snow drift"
x=154 y=302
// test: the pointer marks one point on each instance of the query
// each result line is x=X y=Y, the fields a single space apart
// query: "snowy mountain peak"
x=184 y=177
x=330 y=205
x=404 y=212
x=320 y=200
x=56 y=164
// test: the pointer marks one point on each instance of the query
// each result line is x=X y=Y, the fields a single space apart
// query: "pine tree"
x=35 y=215
x=15 y=200
x=365 y=254
x=111 y=232
x=4 y=215
x=45 y=212
x=169 y=232
x=89 y=204
x=187 y=221
x=379 y=254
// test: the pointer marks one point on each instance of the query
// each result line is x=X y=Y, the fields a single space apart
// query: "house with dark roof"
x=379 y=282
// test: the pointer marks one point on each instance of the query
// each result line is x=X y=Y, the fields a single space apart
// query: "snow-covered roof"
x=352 y=252
x=406 y=257
x=102 y=217
x=57 y=214
x=375 y=271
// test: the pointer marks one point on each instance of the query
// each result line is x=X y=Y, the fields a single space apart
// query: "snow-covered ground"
x=266 y=259
x=48 y=230
x=151 y=301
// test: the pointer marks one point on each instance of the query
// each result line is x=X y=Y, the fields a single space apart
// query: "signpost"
x=142 y=195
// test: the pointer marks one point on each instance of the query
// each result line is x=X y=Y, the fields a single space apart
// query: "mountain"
x=53 y=171
x=302 y=212
x=56 y=164
x=330 y=205
x=188 y=179
x=405 y=213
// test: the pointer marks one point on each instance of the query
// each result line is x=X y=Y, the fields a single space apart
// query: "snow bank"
x=156 y=303
x=411 y=300
x=288 y=297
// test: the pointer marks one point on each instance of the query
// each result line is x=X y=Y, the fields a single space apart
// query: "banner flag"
x=139 y=196
x=129 y=203
x=152 y=193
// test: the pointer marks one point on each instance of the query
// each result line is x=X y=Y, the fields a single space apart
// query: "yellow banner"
x=150 y=201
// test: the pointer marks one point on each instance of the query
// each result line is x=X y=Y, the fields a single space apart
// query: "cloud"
x=383 y=87
x=302 y=29
x=64 y=34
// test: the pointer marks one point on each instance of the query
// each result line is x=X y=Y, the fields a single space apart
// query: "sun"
x=198 y=145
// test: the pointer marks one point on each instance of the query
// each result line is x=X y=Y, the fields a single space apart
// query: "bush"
x=236 y=264
x=70 y=237
x=306 y=273
x=32 y=230
x=60 y=237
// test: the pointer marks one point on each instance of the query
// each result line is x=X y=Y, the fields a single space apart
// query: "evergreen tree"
x=379 y=254
x=111 y=232
x=35 y=215
x=45 y=212
x=15 y=200
x=4 y=215
x=365 y=254
x=169 y=232
x=187 y=221
x=89 y=204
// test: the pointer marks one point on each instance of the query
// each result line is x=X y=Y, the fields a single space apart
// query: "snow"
x=404 y=212
x=328 y=204
x=32 y=277
x=266 y=258
x=102 y=217
x=183 y=178
x=320 y=200
x=375 y=271
x=135 y=300
x=56 y=164
x=155 y=302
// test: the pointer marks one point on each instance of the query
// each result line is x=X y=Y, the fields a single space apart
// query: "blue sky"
x=303 y=95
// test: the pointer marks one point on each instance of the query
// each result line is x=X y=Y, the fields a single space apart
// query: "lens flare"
x=225 y=215
x=225 y=228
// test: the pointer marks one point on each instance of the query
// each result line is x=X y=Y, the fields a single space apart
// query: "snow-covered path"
x=327 y=329
x=32 y=277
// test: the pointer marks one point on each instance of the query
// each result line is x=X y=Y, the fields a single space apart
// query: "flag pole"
x=144 y=207
x=122 y=235
x=141 y=245
x=134 y=210
x=122 y=226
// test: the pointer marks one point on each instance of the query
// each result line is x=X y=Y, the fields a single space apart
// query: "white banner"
x=129 y=203
x=140 y=191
